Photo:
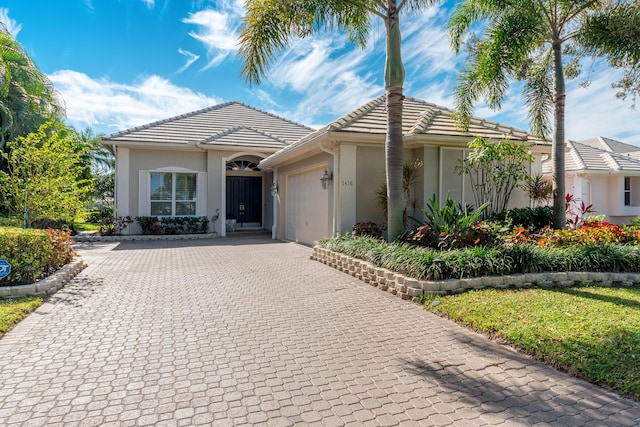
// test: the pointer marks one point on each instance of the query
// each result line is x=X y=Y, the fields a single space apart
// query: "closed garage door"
x=307 y=212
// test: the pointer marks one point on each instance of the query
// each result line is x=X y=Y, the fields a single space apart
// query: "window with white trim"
x=173 y=194
x=627 y=191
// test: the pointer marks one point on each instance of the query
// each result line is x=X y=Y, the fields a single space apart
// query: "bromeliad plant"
x=449 y=225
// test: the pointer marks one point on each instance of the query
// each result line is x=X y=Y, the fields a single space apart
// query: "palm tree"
x=530 y=40
x=27 y=97
x=97 y=155
x=269 y=26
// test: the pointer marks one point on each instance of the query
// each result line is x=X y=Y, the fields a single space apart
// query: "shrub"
x=97 y=216
x=430 y=264
x=593 y=233
x=62 y=253
x=370 y=229
x=25 y=249
x=533 y=219
x=495 y=169
x=173 y=225
x=149 y=224
x=59 y=224
x=11 y=222
x=110 y=226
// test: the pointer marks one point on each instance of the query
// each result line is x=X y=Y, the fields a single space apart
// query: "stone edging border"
x=124 y=238
x=409 y=288
x=47 y=286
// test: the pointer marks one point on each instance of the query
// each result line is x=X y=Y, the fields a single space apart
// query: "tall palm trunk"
x=559 y=212
x=394 y=80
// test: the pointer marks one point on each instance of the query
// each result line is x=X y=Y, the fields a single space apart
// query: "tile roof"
x=245 y=136
x=593 y=155
x=609 y=144
x=421 y=117
x=231 y=123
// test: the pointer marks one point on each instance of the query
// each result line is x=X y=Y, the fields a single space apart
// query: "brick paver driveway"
x=250 y=331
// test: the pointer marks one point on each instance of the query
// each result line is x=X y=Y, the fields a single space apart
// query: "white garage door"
x=307 y=212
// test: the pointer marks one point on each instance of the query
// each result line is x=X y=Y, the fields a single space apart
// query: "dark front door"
x=244 y=199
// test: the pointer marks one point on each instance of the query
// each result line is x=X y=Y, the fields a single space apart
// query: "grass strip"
x=591 y=332
x=13 y=311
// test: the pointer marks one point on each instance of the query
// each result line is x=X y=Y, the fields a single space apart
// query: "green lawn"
x=592 y=332
x=85 y=226
x=13 y=311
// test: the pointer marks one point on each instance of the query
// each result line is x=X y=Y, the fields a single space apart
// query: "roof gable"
x=587 y=157
x=245 y=136
x=421 y=118
x=211 y=124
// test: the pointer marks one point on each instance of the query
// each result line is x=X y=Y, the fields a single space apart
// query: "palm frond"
x=538 y=94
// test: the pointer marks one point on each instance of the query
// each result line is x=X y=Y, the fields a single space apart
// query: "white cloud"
x=330 y=80
x=595 y=111
x=12 y=26
x=263 y=96
x=589 y=112
x=108 y=106
x=426 y=45
x=191 y=58
x=217 y=31
x=149 y=3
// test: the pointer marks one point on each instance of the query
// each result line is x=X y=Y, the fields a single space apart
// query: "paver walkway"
x=250 y=331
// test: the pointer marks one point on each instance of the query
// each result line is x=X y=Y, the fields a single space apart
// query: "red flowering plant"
x=63 y=252
x=591 y=232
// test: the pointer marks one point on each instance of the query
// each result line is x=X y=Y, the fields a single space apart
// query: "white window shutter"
x=143 y=193
x=201 y=191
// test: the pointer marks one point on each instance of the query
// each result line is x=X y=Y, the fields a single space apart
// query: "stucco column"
x=214 y=190
x=347 y=184
x=122 y=182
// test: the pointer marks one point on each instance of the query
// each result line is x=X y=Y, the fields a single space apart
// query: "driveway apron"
x=246 y=330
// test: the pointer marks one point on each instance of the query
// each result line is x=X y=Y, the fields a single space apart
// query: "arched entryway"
x=244 y=193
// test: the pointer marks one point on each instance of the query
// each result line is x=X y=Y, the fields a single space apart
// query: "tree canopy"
x=542 y=42
x=45 y=175
x=27 y=97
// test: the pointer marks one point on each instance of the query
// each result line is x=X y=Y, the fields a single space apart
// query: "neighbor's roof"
x=587 y=156
x=421 y=117
x=232 y=123
x=608 y=144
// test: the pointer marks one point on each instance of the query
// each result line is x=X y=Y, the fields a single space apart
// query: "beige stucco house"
x=307 y=184
x=604 y=173
x=201 y=164
x=351 y=151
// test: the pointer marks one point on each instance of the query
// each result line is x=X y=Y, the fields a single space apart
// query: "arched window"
x=242 y=165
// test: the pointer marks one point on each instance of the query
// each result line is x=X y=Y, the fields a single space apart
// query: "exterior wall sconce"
x=327 y=177
x=274 y=188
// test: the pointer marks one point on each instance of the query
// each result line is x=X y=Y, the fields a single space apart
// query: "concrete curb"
x=410 y=288
x=124 y=238
x=47 y=286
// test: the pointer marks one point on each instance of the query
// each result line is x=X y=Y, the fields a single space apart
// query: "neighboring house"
x=308 y=184
x=204 y=163
x=604 y=173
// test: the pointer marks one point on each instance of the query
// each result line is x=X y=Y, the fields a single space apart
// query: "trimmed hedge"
x=22 y=249
x=431 y=264
x=173 y=225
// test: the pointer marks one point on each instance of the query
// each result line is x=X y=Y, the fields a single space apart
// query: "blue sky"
x=124 y=63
